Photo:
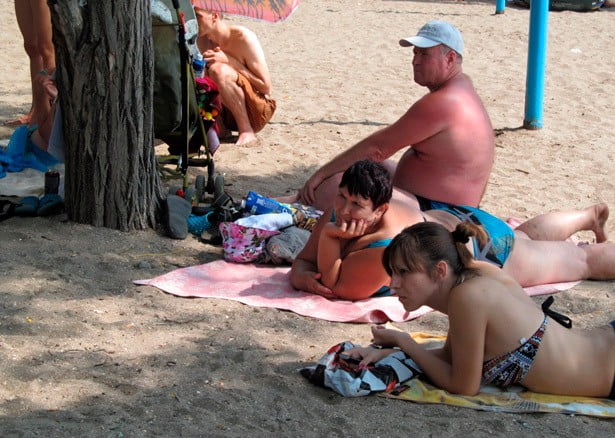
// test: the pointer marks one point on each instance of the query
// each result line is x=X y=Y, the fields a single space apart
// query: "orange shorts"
x=260 y=107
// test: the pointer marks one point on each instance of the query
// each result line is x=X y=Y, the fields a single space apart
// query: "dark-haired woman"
x=497 y=334
x=342 y=257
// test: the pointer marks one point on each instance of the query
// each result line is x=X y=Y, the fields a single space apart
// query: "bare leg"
x=533 y=262
x=561 y=225
x=600 y=261
x=23 y=12
x=233 y=98
x=34 y=20
x=42 y=24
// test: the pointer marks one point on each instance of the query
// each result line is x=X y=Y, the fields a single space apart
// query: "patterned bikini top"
x=511 y=368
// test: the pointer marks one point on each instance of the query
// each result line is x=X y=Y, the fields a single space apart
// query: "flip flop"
x=7 y=210
x=176 y=212
x=27 y=206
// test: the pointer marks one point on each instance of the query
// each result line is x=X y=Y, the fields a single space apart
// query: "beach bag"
x=339 y=372
x=243 y=244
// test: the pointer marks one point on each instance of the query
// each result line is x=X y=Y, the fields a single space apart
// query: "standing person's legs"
x=560 y=225
x=41 y=21
x=23 y=12
x=42 y=24
x=34 y=21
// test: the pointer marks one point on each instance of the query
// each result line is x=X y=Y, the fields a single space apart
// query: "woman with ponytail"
x=497 y=334
x=342 y=257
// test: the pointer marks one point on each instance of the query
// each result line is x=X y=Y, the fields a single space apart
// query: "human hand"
x=388 y=337
x=367 y=355
x=43 y=79
x=346 y=229
x=215 y=55
x=307 y=192
x=309 y=281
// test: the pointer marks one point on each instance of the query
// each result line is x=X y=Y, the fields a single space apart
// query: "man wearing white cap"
x=448 y=130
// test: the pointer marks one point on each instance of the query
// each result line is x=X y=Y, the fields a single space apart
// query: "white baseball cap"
x=436 y=32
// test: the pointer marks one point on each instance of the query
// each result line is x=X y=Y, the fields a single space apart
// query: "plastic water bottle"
x=259 y=204
x=198 y=65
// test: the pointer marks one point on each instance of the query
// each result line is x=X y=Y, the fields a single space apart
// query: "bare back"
x=568 y=361
x=459 y=155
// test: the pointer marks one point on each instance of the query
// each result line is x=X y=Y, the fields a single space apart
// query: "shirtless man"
x=448 y=130
x=236 y=62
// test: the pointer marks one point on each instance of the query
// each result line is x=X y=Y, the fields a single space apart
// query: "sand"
x=85 y=352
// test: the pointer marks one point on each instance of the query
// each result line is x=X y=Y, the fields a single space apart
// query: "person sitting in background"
x=342 y=256
x=236 y=62
x=497 y=334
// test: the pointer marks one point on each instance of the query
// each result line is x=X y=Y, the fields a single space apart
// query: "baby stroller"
x=180 y=106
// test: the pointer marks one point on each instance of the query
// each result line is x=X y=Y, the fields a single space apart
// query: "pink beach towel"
x=268 y=286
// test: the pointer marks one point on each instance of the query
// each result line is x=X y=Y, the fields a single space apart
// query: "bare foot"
x=23 y=120
x=247 y=139
x=601 y=212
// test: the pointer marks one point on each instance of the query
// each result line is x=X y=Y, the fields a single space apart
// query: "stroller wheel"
x=199 y=185
x=218 y=185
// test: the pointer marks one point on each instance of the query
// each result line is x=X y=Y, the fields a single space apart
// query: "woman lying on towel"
x=342 y=256
x=497 y=334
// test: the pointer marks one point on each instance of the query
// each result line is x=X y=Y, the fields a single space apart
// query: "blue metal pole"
x=536 y=60
x=500 y=5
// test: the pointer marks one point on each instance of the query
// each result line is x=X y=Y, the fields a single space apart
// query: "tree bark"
x=105 y=68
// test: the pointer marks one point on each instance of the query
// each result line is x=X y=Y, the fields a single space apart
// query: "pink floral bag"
x=243 y=244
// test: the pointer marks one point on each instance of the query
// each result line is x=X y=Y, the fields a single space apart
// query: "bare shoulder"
x=458 y=89
x=243 y=33
x=487 y=285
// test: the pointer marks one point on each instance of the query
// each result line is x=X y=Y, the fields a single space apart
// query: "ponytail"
x=461 y=235
x=420 y=247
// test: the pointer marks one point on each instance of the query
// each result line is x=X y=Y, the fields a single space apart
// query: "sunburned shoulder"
x=449 y=98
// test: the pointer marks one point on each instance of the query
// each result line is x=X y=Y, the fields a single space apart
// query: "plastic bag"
x=338 y=372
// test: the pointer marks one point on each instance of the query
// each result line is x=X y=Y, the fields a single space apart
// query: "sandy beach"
x=85 y=352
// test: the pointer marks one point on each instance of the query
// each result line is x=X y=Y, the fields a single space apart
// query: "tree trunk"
x=105 y=66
